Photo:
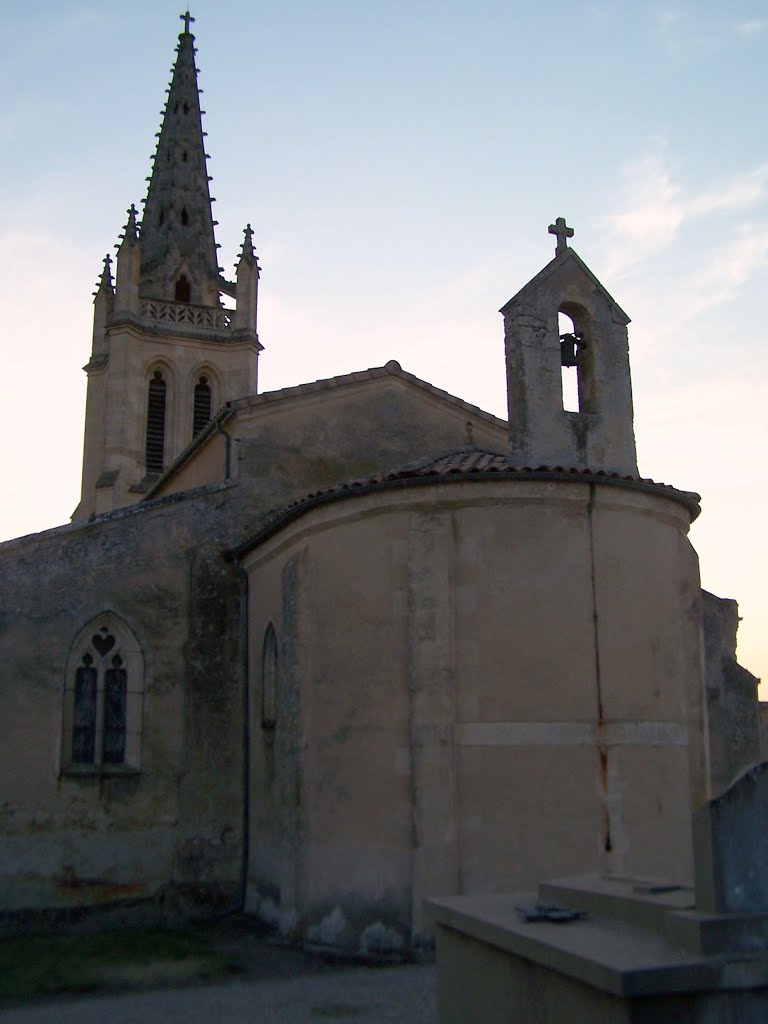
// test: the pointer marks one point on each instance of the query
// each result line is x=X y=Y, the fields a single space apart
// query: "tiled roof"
x=468 y=463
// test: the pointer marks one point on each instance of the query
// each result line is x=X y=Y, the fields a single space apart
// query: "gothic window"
x=269 y=679
x=155 y=440
x=183 y=291
x=201 y=412
x=184 y=219
x=161 y=217
x=103 y=699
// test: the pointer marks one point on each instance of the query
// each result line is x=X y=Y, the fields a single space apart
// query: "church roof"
x=467 y=463
x=390 y=369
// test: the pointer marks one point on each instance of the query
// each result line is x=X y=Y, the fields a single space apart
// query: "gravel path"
x=404 y=994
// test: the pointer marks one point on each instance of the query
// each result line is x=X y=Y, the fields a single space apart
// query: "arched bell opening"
x=575 y=357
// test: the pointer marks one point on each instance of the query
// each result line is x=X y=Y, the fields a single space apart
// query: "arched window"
x=201 y=412
x=183 y=291
x=184 y=217
x=103 y=694
x=155 y=441
x=269 y=668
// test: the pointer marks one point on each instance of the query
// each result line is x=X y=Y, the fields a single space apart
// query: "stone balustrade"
x=206 y=317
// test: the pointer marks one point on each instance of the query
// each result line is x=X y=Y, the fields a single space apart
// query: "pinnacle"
x=131 y=230
x=247 y=252
x=105 y=280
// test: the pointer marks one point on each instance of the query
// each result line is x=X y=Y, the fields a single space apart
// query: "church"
x=327 y=652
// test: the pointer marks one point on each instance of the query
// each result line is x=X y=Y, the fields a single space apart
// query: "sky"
x=400 y=163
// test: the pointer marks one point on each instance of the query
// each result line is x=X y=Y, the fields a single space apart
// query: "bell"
x=569 y=344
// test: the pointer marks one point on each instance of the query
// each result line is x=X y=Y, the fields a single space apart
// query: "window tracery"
x=103 y=698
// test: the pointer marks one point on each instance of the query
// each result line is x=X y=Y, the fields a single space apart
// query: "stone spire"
x=179 y=260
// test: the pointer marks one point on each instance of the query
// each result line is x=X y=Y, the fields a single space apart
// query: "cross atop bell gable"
x=563 y=233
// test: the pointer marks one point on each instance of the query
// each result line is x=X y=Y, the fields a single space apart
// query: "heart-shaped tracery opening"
x=103 y=644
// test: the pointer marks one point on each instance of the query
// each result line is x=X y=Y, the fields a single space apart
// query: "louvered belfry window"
x=202 y=405
x=155 y=447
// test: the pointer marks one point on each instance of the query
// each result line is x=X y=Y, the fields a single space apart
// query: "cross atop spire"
x=186 y=18
x=563 y=233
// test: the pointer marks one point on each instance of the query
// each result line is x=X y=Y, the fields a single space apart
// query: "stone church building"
x=328 y=651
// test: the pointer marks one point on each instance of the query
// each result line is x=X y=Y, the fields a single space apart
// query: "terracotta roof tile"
x=460 y=462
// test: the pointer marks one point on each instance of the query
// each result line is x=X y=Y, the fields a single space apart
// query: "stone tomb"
x=641 y=952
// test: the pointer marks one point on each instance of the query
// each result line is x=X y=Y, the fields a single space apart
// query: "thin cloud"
x=729 y=267
x=751 y=27
x=652 y=207
x=743 y=191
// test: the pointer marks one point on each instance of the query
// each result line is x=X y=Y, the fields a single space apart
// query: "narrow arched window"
x=155 y=443
x=184 y=217
x=84 y=712
x=269 y=679
x=115 y=692
x=103 y=694
x=183 y=291
x=201 y=412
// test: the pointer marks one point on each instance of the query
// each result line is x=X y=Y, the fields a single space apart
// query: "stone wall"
x=489 y=682
x=732 y=706
x=172 y=828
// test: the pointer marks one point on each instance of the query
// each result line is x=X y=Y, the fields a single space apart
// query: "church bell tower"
x=597 y=434
x=167 y=353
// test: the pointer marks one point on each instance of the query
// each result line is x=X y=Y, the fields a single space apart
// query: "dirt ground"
x=231 y=969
